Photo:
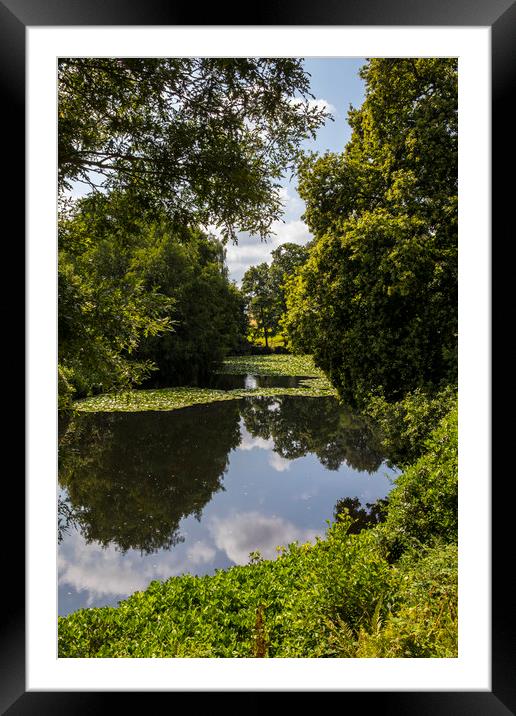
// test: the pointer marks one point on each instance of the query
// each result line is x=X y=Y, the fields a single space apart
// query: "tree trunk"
x=264 y=330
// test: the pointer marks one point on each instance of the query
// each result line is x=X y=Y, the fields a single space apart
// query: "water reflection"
x=154 y=494
x=131 y=477
x=233 y=381
x=314 y=425
x=362 y=517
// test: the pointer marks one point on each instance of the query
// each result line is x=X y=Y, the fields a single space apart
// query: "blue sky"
x=336 y=82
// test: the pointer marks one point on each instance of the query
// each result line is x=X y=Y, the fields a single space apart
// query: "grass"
x=276 y=341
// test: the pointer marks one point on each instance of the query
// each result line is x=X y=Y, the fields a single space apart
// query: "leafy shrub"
x=424 y=621
x=406 y=425
x=423 y=505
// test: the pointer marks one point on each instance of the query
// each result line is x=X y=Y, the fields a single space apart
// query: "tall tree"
x=376 y=301
x=285 y=260
x=258 y=291
x=204 y=138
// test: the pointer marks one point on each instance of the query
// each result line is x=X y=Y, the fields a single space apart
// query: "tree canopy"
x=376 y=302
x=206 y=139
x=263 y=287
x=138 y=294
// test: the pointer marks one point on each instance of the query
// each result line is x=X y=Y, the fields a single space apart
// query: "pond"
x=148 y=495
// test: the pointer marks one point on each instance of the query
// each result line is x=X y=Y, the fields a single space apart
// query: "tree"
x=206 y=310
x=138 y=294
x=206 y=139
x=376 y=302
x=263 y=288
x=104 y=308
x=261 y=301
x=285 y=260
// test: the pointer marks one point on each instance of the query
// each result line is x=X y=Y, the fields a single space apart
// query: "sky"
x=336 y=82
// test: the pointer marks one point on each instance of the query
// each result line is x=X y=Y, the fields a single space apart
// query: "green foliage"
x=315 y=384
x=286 y=259
x=376 y=302
x=205 y=138
x=424 y=622
x=405 y=425
x=104 y=309
x=181 y=397
x=137 y=294
x=275 y=343
x=297 y=365
x=207 y=311
x=65 y=390
x=216 y=616
x=264 y=289
x=337 y=598
x=261 y=302
x=423 y=505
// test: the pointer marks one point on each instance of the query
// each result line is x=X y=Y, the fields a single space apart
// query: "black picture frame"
x=500 y=16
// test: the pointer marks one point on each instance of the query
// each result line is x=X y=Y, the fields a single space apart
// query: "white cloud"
x=252 y=251
x=278 y=463
x=246 y=532
x=107 y=572
x=248 y=442
x=200 y=553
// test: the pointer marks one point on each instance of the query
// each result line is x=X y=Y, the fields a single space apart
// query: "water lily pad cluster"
x=314 y=384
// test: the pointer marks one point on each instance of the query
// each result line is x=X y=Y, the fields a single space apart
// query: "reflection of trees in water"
x=301 y=425
x=66 y=517
x=371 y=515
x=131 y=477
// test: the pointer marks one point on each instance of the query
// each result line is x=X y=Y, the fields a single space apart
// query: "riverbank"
x=388 y=591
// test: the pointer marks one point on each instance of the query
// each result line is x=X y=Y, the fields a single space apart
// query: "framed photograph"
x=33 y=37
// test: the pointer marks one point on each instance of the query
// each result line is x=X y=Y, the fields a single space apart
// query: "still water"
x=150 y=495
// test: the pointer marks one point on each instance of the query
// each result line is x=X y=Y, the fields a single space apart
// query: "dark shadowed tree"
x=139 y=294
x=131 y=477
x=314 y=425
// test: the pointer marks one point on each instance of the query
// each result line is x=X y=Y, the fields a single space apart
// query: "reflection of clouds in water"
x=200 y=553
x=107 y=572
x=250 y=443
x=308 y=494
x=246 y=532
x=279 y=463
